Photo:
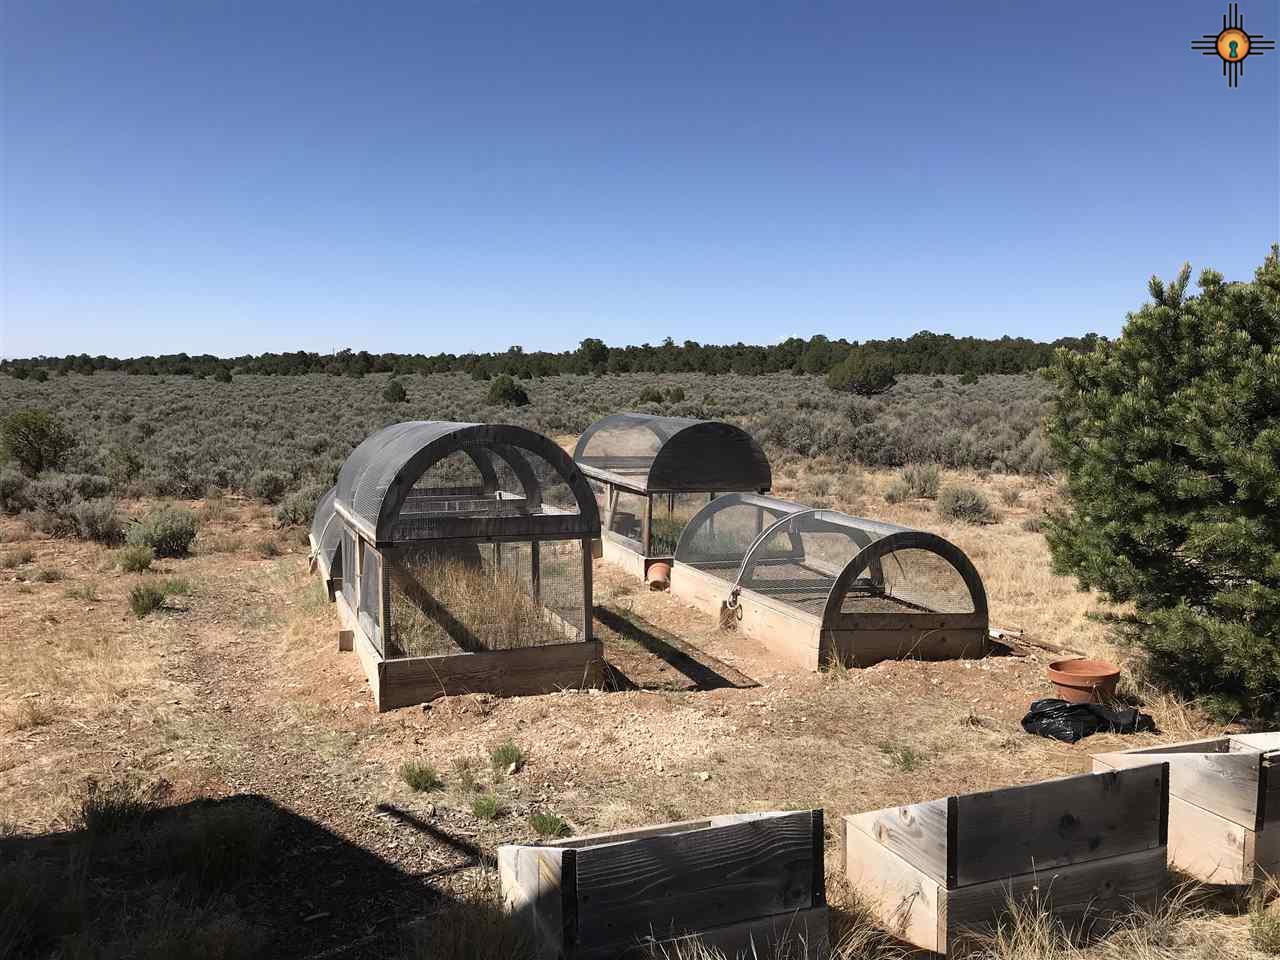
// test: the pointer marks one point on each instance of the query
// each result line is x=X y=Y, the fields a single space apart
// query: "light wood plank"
x=1003 y=833
x=1206 y=846
x=803 y=935
x=863 y=648
x=905 y=900
x=1263 y=742
x=916 y=832
x=1223 y=783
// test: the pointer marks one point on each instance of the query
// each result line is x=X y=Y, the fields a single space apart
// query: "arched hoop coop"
x=651 y=474
x=459 y=556
x=819 y=587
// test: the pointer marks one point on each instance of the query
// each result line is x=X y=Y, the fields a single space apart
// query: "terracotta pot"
x=1084 y=681
x=659 y=575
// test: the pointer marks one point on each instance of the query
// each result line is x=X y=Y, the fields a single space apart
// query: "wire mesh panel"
x=912 y=579
x=450 y=598
x=718 y=538
x=369 y=612
x=671 y=513
x=799 y=559
x=627 y=516
x=349 y=565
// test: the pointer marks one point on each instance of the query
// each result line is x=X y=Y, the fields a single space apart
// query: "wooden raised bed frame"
x=1224 y=804
x=862 y=639
x=738 y=883
x=1086 y=847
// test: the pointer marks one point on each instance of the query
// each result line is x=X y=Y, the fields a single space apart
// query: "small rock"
x=704 y=776
x=513 y=769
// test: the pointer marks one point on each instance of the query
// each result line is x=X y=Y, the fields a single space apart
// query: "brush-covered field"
x=189 y=767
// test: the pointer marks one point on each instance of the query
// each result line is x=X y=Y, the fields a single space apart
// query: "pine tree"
x=1170 y=438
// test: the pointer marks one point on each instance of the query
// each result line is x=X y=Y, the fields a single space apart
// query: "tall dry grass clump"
x=462 y=604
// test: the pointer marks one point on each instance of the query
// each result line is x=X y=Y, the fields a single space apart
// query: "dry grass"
x=495 y=609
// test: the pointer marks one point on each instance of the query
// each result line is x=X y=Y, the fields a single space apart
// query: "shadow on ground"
x=234 y=879
x=658 y=659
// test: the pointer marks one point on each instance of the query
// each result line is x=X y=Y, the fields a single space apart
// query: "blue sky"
x=234 y=177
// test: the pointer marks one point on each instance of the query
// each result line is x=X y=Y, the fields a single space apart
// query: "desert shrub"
x=168 y=531
x=548 y=825
x=14 y=491
x=135 y=559
x=117 y=806
x=48 y=575
x=55 y=490
x=267 y=548
x=937 y=383
x=921 y=480
x=35 y=441
x=16 y=558
x=299 y=507
x=146 y=598
x=394 y=392
x=650 y=395
x=269 y=485
x=421 y=776
x=1168 y=437
x=222 y=375
x=486 y=807
x=862 y=373
x=505 y=392
x=897 y=491
x=675 y=395
x=1010 y=495
x=964 y=503
x=40 y=375
x=968 y=378
x=97 y=520
x=1031 y=524
x=504 y=755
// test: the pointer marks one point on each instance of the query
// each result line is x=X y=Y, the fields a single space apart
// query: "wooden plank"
x=906 y=901
x=687 y=882
x=537 y=889
x=588 y=594
x=803 y=935
x=916 y=832
x=786 y=632
x=620 y=555
x=908 y=620
x=698 y=588
x=370 y=659
x=1206 y=846
x=1263 y=742
x=623 y=836
x=1269 y=791
x=1078 y=894
x=524 y=671
x=1266 y=852
x=1003 y=833
x=862 y=648
x=1223 y=783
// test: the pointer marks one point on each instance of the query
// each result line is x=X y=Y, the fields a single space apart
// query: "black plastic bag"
x=1070 y=722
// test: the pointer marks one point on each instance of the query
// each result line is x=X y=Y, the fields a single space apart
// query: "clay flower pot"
x=659 y=575
x=1084 y=681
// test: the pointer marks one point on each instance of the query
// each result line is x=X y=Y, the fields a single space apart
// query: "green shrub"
x=504 y=755
x=650 y=395
x=146 y=598
x=35 y=441
x=40 y=375
x=862 y=373
x=299 y=507
x=548 y=825
x=136 y=558
x=1031 y=524
x=505 y=392
x=97 y=520
x=15 y=491
x=269 y=485
x=168 y=531
x=267 y=548
x=394 y=392
x=222 y=375
x=48 y=575
x=1168 y=439
x=965 y=503
x=421 y=776
x=1010 y=495
x=922 y=480
x=968 y=379
x=675 y=395
x=486 y=807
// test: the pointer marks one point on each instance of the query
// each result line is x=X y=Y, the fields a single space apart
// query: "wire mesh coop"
x=463 y=559
x=822 y=587
x=651 y=474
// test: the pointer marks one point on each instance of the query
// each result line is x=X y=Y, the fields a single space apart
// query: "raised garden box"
x=739 y=883
x=1224 y=804
x=1086 y=847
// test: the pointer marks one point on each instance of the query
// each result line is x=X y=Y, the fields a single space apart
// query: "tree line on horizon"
x=924 y=352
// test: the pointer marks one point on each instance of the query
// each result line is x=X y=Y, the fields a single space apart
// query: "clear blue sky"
x=238 y=177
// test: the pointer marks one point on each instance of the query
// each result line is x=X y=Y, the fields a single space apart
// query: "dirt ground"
x=238 y=688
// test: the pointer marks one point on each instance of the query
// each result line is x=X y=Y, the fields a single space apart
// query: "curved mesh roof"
x=376 y=485
x=650 y=454
x=326 y=530
x=828 y=563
